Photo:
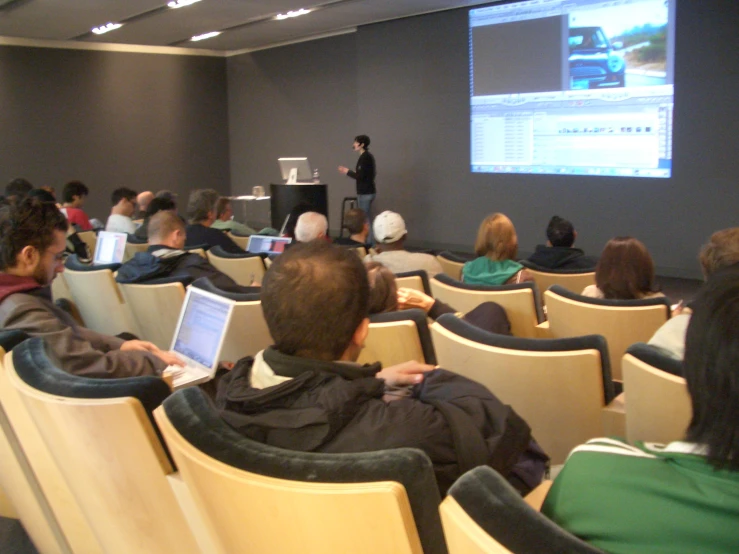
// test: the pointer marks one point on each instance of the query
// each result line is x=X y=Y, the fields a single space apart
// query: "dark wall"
x=145 y=121
x=406 y=84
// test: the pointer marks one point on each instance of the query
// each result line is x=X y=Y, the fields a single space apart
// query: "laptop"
x=109 y=248
x=199 y=336
x=263 y=244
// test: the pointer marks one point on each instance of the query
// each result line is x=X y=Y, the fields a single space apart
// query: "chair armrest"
x=536 y=497
x=614 y=417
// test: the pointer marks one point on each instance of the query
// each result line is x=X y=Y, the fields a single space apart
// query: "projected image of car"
x=594 y=61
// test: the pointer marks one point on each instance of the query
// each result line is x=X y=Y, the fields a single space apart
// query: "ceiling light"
x=107 y=28
x=181 y=3
x=294 y=13
x=205 y=36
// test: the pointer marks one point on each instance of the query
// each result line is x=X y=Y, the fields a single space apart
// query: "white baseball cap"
x=388 y=227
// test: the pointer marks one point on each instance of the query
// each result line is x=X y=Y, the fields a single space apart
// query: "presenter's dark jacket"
x=364 y=174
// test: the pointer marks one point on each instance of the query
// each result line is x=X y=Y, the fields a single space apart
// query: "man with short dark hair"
x=165 y=258
x=307 y=393
x=155 y=206
x=33 y=239
x=17 y=189
x=201 y=213
x=123 y=201
x=558 y=253
x=74 y=194
x=357 y=223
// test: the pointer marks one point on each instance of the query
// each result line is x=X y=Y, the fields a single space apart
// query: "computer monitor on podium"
x=295 y=170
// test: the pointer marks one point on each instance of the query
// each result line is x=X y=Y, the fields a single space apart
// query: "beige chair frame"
x=392 y=343
x=247 y=333
x=245 y=271
x=133 y=248
x=241 y=242
x=450 y=267
x=156 y=309
x=574 y=282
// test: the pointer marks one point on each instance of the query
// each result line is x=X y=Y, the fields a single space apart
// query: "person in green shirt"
x=224 y=221
x=682 y=497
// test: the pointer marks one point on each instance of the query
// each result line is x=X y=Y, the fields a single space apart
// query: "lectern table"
x=283 y=198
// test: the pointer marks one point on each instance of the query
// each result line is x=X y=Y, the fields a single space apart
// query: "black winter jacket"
x=561 y=257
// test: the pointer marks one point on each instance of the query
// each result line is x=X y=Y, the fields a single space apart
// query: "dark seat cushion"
x=654 y=357
x=206 y=284
x=656 y=301
x=221 y=253
x=12 y=338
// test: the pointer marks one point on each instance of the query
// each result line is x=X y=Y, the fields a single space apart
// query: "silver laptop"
x=199 y=336
x=263 y=244
x=109 y=248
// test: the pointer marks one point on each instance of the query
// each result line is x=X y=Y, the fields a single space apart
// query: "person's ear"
x=360 y=335
x=574 y=236
x=27 y=257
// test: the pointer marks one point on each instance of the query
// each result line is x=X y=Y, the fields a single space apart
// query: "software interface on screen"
x=110 y=248
x=259 y=244
x=201 y=329
x=573 y=87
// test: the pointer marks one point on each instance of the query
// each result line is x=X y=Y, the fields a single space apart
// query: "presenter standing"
x=364 y=174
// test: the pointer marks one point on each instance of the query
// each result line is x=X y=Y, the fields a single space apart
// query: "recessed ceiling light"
x=181 y=3
x=205 y=36
x=294 y=13
x=107 y=28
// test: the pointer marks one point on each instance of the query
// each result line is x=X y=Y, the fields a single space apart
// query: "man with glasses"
x=33 y=237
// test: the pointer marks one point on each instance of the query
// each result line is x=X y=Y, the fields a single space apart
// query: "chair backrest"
x=156 y=309
x=90 y=239
x=397 y=337
x=101 y=436
x=559 y=386
x=99 y=300
x=484 y=514
x=574 y=281
x=518 y=300
x=243 y=269
x=451 y=264
x=658 y=406
x=621 y=322
x=60 y=288
x=247 y=332
x=240 y=241
x=260 y=499
x=132 y=248
x=416 y=280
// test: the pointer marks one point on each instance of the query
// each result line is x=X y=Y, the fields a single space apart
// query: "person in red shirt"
x=73 y=198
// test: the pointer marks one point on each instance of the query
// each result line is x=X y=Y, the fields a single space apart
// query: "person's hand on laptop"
x=408 y=373
x=167 y=357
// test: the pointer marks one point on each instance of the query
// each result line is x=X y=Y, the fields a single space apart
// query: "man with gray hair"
x=201 y=213
x=311 y=226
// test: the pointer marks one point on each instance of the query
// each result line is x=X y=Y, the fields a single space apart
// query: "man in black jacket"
x=165 y=258
x=307 y=393
x=558 y=252
x=364 y=175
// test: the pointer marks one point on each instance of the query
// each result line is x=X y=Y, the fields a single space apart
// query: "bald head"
x=166 y=228
x=311 y=226
x=143 y=200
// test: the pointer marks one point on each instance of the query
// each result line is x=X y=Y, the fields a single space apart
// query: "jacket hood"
x=554 y=256
x=484 y=271
x=11 y=284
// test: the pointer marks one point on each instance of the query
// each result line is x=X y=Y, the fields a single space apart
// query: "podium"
x=283 y=198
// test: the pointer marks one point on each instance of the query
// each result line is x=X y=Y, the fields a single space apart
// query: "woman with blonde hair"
x=497 y=248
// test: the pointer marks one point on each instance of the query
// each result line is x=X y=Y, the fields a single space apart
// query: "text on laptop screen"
x=110 y=248
x=203 y=324
x=259 y=244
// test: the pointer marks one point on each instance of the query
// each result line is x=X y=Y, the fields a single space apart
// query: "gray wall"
x=405 y=83
x=143 y=121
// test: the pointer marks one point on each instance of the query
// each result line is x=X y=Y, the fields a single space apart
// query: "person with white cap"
x=390 y=232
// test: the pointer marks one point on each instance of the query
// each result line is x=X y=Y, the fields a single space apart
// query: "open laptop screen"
x=109 y=248
x=261 y=244
x=202 y=326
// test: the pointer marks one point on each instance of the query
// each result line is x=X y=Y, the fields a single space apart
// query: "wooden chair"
x=574 y=281
x=559 y=387
x=416 y=280
x=397 y=337
x=243 y=268
x=483 y=514
x=156 y=309
x=100 y=434
x=621 y=322
x=247 y=492
x=98 y=298
x=518 y=300
x=361 y=251
x=133 y=248
x=242 y=242
x=90 y=239
x=60 y=288
x=247 y=333
x=451 y=264
x=658 y=406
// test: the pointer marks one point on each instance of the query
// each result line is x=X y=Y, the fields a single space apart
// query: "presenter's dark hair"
x=560 y=232
x=625 y=270
x=314 y=298
x=72 y=189
x=18 y=189
x=711 y=369
x=29 y=222
x=120 y=194
x=364 y=140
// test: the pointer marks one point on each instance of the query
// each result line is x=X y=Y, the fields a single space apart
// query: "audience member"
x=721 y=251
x=681 y=497
x=142 y=202
x=311 y=226
x=390 y=233
x=155 y=206
x=123 y=201
x=17 y=189
x=385 y=296
x=357 y=223
x=497 y=249
x=307 y=392
x=558 y=252
x=74 y=194
x=225 y=222
x=625 y=271
x=201 y=213
x=292 y=219
x=165 y=258
x=33 y=239
x=43 y=195
x=167 y=195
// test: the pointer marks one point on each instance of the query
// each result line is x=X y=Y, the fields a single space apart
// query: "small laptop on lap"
x=109 y=248
x=263 y=244
x=199 y=336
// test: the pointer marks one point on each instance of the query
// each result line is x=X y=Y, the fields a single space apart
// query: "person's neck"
x=118 y=211
x=68 y=205
x=391 y=247
x=361 y=237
